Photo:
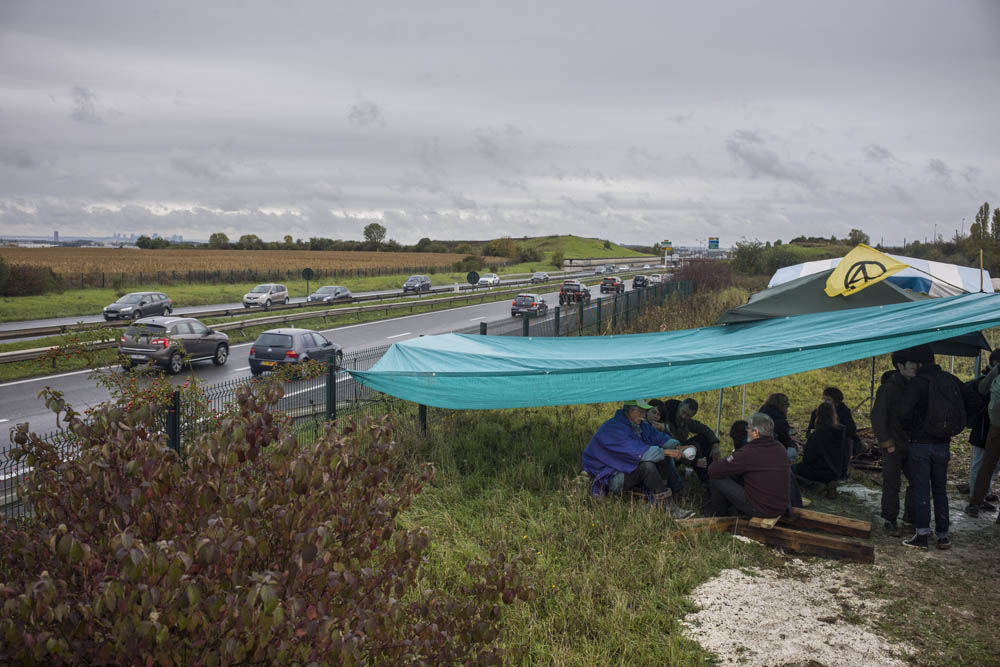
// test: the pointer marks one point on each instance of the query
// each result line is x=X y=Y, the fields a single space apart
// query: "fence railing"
x=336 y=395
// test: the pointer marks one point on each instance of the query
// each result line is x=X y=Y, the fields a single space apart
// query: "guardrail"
x=35 y=353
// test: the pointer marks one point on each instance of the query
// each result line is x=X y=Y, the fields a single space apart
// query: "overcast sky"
x=635 y=121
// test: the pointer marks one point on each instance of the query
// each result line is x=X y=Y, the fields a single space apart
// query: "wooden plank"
x=766 y=524
x=828 y=523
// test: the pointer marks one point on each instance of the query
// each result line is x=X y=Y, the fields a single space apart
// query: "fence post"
x=614 y=313
x=597 y=316
x=422 y=416
x=174 y=422
x=556 y=319
x=482 y=328
x=524 y=325
x=331 y=388
x=628 y=308
x=580 y=318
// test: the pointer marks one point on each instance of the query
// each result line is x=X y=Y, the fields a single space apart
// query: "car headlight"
x=126 y=308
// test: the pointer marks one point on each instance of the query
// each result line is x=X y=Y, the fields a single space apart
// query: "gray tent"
x=807 y=295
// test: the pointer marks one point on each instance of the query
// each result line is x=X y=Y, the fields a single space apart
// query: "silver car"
x=265 y=295
x=329 y=293
x=139 y=304
x=171 y=342
x=488 y=280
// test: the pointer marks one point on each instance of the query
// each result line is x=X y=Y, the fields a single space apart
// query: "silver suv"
x=266 y=294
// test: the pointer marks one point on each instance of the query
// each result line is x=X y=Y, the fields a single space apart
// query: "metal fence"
x=310 y=403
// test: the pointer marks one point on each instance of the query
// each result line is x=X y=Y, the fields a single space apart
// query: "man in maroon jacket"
x=755 y=478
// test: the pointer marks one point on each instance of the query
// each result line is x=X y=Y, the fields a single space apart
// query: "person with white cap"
x=627 y=453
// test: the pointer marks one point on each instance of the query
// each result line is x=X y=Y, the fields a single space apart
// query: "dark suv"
x=280 y=347
x=171 y=342
x=612 y=284
x=640 y=281
x=417 y=284
x=573 y=291
x=139 y=304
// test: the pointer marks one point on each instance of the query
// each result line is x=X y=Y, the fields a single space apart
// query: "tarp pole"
x=871 y=389
x=718 y=420
x=743 y=409
x=952 y=364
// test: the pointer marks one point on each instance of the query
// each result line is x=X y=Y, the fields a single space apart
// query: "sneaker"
x=943 y=542
x=991 y=497
x=831 y=490
x=972 y=510
x=987 y=506
x=917 y=542
x=678 y=512
x=891 y=529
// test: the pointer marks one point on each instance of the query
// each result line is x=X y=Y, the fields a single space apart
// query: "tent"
x=805 y=295
x=933 y=278
x=461 y=371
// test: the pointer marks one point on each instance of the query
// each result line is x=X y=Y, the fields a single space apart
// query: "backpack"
x=945 y=406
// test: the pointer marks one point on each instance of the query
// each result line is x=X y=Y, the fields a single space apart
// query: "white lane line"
x=398 y=335
x=478 y=318
x=239 y=370
x=4 y=420
x=46 y=378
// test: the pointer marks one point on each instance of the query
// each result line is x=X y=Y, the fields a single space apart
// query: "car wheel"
x=286 y=300
x=267 y=305
x=221 y=355
x=127 y=364
x=254 y=371
x=247 y=306
x=176 y=363
x=167 y=311
x=137 y=314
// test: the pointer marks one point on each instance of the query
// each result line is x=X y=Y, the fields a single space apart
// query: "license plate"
x=269 y=363
x=138 y=357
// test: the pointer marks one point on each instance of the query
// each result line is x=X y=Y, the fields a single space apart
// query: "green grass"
x=577 y=247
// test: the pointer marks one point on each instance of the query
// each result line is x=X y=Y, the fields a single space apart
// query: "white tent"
x=931 y=278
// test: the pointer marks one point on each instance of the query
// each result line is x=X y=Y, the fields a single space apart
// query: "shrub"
x=470 y=263
x=26 y=280
x=256 y=549
x=557 y=260
x=527 y=253
x=706 y=274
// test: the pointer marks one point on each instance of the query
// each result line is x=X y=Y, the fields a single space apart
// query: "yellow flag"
x=860 y=268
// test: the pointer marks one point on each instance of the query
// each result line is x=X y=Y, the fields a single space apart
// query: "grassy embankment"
x=613 y=576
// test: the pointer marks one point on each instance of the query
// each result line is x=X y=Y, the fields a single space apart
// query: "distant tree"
x=607 y=245
x=437 y=246
x=374 y=233
x=777 y=243
x=557 y=260
x=422 y=245
x=502 y=247
x=250 y=242
x=857 y=236
x=218 y=240
x=749 y=257
x=982 y=223
x=144 y=242
x=392 y=245
x=526 y=253
x=289 y=241
x=996 y=224
x=465 y=249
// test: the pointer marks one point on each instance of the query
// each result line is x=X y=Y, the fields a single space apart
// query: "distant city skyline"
x=634 y=121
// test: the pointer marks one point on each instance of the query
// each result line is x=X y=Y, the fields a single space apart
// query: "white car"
x=655 y=278
x=488 y=280
x=646 y=266
x=623 y=267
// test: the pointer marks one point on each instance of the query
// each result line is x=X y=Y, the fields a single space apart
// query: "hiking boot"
x=917 y=542
x=987 y=506
x=831 y=490
x=678 y=512
x=891 y=529
x=964 y=488
x=943 y=542
x=991 y=497
x=972 y=510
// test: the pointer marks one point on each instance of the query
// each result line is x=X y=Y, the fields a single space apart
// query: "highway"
x=19 y=400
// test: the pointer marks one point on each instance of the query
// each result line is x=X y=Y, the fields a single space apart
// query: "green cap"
x=639 y=402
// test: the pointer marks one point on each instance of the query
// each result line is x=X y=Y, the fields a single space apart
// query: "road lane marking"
x=398 y=335
x=4 y=420
x=46 y=378
x=478 y=318
x=239 y=370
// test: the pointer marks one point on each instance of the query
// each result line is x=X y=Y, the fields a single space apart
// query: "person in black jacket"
x=824 y=453
x=895 y=442
x=846 y=419
x=776 y=407
x=979 y=426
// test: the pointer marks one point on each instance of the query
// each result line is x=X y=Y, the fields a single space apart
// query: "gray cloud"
x=119 y=187
x=365 y=114
x=938 y=167
x=463 y=203
x=877 y=153
x=18 y=158
x=206 y=164
x=84 y=108
x=747 y=148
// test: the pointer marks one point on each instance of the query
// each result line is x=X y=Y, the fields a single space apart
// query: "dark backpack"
x=945 y=406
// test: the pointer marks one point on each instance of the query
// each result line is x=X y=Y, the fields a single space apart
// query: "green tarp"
x=460 y=371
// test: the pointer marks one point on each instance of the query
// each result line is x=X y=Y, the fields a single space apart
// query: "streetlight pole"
x=935 y=232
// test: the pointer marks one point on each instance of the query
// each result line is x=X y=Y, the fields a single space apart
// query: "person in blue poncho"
x=627 y=453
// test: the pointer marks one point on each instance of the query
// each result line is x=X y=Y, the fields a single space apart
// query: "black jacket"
x=913 y=405
x=846 y=419
x=823 y=459
x=885 y=410
x=979 y=422
x=781 y=429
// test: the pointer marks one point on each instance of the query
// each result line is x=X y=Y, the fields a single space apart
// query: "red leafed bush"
x=708 y=274
x=255 y=549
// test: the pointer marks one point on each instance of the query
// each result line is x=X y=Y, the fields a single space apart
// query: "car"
x=600 y=269
x=639 y=281
x=573 y=291
x=539 y=277
x=528 y=304
x=612 y=284
x=171 y=342
x=623 y=267
x=329 y=293
x=655 y=279
x=488 y=280
x=417 y=284
x=646 y=266
x=136 y=305
x=266 y=294
x=281 y=347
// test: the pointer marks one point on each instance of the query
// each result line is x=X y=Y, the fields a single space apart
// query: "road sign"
x=472 y=278
x=713 y=242
x=666 y=245
x=307 y=275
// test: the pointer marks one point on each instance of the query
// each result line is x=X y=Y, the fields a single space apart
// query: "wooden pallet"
x=803 y=531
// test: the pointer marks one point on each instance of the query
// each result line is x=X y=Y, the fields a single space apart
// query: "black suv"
x=417 y=284
x=171 y=342
x=573 y=291
x=640 y=281
x=139 y=304
x=612 y=284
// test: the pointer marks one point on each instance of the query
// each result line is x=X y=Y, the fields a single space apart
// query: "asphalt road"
x=19 y=400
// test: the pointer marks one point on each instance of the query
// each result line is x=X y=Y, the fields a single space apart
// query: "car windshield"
x=131 y=298
x=326 y=290
x=260 y=289
x=525 y=299
x=274 y=340
x=413 y=279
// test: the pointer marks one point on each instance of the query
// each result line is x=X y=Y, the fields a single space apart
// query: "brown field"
x=127 y=260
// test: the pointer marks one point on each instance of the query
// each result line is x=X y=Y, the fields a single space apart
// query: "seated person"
x=702 y=433
x=776 y=407
x=674 y=418
x=754 y=480
x=738 y=432
x=627 y=453
x=846 y=419
x=824 y=454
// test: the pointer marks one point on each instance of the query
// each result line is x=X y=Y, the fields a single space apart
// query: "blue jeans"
x=977 y=462
x=929 y=474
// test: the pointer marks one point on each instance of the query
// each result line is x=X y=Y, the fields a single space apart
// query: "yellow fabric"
x=860 y=268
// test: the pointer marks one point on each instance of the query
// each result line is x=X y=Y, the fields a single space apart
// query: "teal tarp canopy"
x=460 y=371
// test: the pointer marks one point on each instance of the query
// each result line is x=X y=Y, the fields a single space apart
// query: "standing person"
x=776 y=407
x=824 y=453
x=991 y=449
x=934 y=407
x=627 y=453
x=845 y=418
x=755 y=480
x=895 y=443
x=978 y=432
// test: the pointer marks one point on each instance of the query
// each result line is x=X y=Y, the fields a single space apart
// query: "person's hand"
x=673 y=453
x=701 y=463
